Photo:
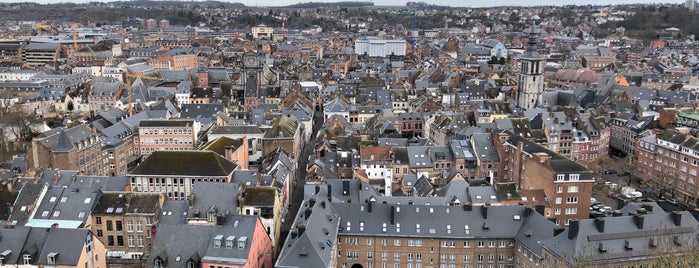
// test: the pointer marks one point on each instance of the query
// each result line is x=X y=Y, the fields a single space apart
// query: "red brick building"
x=76 y=148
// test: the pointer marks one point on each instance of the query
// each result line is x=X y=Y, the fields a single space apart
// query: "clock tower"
x=252 y=69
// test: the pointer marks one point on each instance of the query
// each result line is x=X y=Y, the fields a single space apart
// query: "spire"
x=63 y=144
x=532 y=42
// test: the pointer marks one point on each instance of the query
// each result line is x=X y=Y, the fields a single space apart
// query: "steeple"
x=531 y=79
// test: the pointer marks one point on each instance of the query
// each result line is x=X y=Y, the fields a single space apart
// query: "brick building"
x=76 y=148
x=567 y=185
x=167 y=135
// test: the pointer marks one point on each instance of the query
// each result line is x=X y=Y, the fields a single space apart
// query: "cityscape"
x=348 y=135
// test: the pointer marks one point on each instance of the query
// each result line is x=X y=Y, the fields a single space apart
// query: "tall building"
x=380 y=48
x=690 y=4
x=151 y=24
x=531 y=79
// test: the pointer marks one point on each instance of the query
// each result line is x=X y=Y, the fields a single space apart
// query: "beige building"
x=262 y=31
x=123 y=222
x=167 y=135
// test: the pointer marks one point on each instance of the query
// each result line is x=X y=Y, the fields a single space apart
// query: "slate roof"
x=240 y=229
x=236 y=130
x=63 y=140
x=25 y=203
x=282 y=127
x=217 y=197
x=220 y=144
x=174 y=212
x=122 y=203
x=183 y=240
x=68 y=243
x=190 y=163
x=67 y=204
x=311 y=241
x=615 y=239
x=559 y=164
x=483 y=147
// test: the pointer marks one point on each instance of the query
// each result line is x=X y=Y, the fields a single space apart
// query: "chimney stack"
x=599 y=223
x=307 y=213
x=484 y=211
x=573 y=227
x=648 y=207
x=330 y=192
x=311 y=202
x=527 y=211
x=369 y=205
x=676 y=217
x=317 y=189
x=638 y=219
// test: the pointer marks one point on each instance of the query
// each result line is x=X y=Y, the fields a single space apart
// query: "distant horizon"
x=451 y=3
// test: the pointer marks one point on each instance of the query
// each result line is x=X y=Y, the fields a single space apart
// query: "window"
x=131 y=241
x=140 y=241
x=217 y=241
x=559 y=189
x=396 y=256
x=120 y=241
x=573 y=189
x=98 y=220
x=139 y=226
x=558 y=200
x=557 y=211
x=129 y=226
x=396 y=242
x=574 y=177
x=110 y=227
x=560 y=177
x=110 y=240
x=27 y=259
x=572 y=200
x=99 y=233
x=570 y=211
x=481 y=244
x=119 y=227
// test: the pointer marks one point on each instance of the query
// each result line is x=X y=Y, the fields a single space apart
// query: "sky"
x=457 y=3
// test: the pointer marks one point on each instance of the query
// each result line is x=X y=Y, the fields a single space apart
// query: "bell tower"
x=531 y=79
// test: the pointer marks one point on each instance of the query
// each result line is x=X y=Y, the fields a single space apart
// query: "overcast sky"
x=460 y=3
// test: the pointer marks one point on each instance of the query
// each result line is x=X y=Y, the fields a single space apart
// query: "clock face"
x=250 y=62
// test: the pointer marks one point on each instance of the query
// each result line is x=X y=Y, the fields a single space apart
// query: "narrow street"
x=300 y=180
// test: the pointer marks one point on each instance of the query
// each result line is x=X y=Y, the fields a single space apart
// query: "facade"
x=262 y=31
x=285 y=134
x=76 y=148
x=36 y=54
x=380 y=47
x=174 y=172
x=531 y=79
x=123 y=221
x=167 y=135
x=566 y=184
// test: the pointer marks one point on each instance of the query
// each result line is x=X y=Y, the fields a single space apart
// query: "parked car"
x=596 y=207
x=648 y=190
x=634 y=195
x=605 y=209
x=593 y=201
x=672 y=201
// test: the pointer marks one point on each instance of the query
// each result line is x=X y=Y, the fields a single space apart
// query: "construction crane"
x=283 y=18
x=42 y=27
x=75 y=36
x=130 y=79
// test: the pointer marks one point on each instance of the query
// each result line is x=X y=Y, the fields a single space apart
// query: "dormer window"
x=241 y=242
x=51 y=258
x=217 y=241
x=229 y=241
x=27 y=259
x=158 y=263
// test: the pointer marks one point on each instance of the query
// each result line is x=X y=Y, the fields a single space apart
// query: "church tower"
x=531 y=79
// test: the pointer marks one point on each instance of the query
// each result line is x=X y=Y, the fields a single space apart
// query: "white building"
x=380 y=47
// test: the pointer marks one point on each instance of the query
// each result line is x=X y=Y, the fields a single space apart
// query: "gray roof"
x=312 y=238
x=67 y=204
x=484 y=147
x=63 y=140
x=615 y=239
x=27 y=198
x=217 y=197
x=241 y=230
x=174 y=212
x=68 y=243
x=184 y=241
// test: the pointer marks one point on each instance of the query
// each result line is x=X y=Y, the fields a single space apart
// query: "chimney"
x=369 y=205
x=54 y=226
x=676 y=217
x=648 y=207
x=317 y=189
x=220 y=219
x=311 y=202
x=620 y=203
x=322 y=204
x=540 y=209
x=638 y=219
x=599 y=223
x=557 y=231
x=330 y=192
x=191 y=199
x=393 y=214
x=484 y=211
x=573 y=228
x=528 y=211
x=642 y=211
x=56 y=177
x=616 y=213
x=294 y=233
x=468 y=207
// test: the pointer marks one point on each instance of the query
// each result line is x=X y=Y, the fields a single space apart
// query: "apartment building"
x=167 y=135
x=380 y=47
x=670 y=162
x=123 y=222
x=53 y=247
x=566 y=184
